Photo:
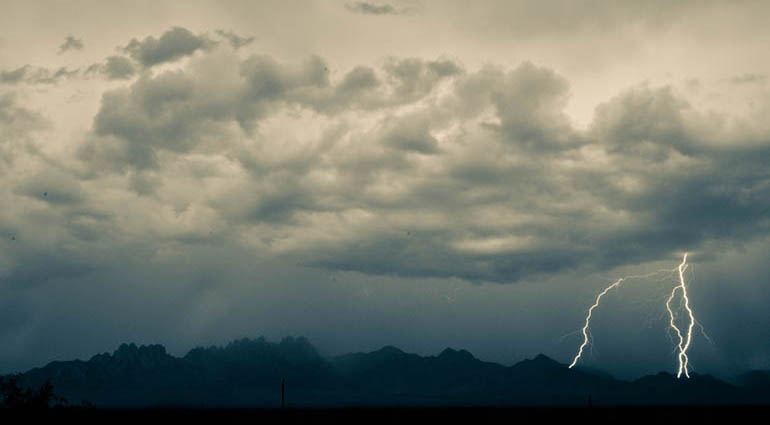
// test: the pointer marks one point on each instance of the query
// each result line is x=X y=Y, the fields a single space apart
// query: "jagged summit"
x=543 y=358
x=132 y=350
x=126 y=355
x=452 y=354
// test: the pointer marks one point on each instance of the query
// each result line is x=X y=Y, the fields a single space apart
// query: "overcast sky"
x=415 y=173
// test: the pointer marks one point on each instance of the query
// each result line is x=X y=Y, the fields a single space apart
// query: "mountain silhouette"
x=248 y=372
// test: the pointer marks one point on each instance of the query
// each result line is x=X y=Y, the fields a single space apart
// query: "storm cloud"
x=442 y=178
x=472 y=175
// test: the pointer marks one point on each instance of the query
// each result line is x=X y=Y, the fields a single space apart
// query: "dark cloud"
x=235 y=40
x=36 y=75
x=13 y=76
x=358 y=88
x=403 y=82
x=691 y=188
x=530 y=103
x=52 y=186
x=173 y=111
x=414 y=78
x=644 y=121
x=114 y=68
x=170 y=46
x=130 y=121
x=366 y=8
x=358 y=79
x=71 y=43
x=118 y=68
x=411 y=135
x=45 y=76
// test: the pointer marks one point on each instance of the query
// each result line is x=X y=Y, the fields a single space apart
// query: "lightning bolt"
x=672 y=321
x=685 y=339
x=588 y=319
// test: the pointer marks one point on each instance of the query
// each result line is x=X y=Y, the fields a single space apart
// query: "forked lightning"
x=685 y=339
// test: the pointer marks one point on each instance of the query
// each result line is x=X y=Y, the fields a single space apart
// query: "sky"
x=424 y=174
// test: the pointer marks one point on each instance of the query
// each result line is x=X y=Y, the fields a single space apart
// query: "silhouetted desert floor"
x=508 y=416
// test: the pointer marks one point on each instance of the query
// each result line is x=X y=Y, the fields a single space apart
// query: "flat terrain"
x=508 y=416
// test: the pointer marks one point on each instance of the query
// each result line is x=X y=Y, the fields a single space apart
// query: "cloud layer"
x=419 y=168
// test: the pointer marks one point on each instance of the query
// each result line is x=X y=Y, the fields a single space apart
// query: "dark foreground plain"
x=365 y=416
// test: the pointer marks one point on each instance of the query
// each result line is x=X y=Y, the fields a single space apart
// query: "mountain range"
x=249 y=372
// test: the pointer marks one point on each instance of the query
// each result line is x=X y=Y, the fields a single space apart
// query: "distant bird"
x=45 y=193
x=13 y=238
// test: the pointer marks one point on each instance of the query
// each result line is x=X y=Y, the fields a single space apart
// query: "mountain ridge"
x=247 y=372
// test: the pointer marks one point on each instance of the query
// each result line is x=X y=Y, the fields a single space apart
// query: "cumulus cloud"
x=416 y=168
x=180 y=110
x=176 y=111
x=71 y=43
x=423 y=169
x=173 y=44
